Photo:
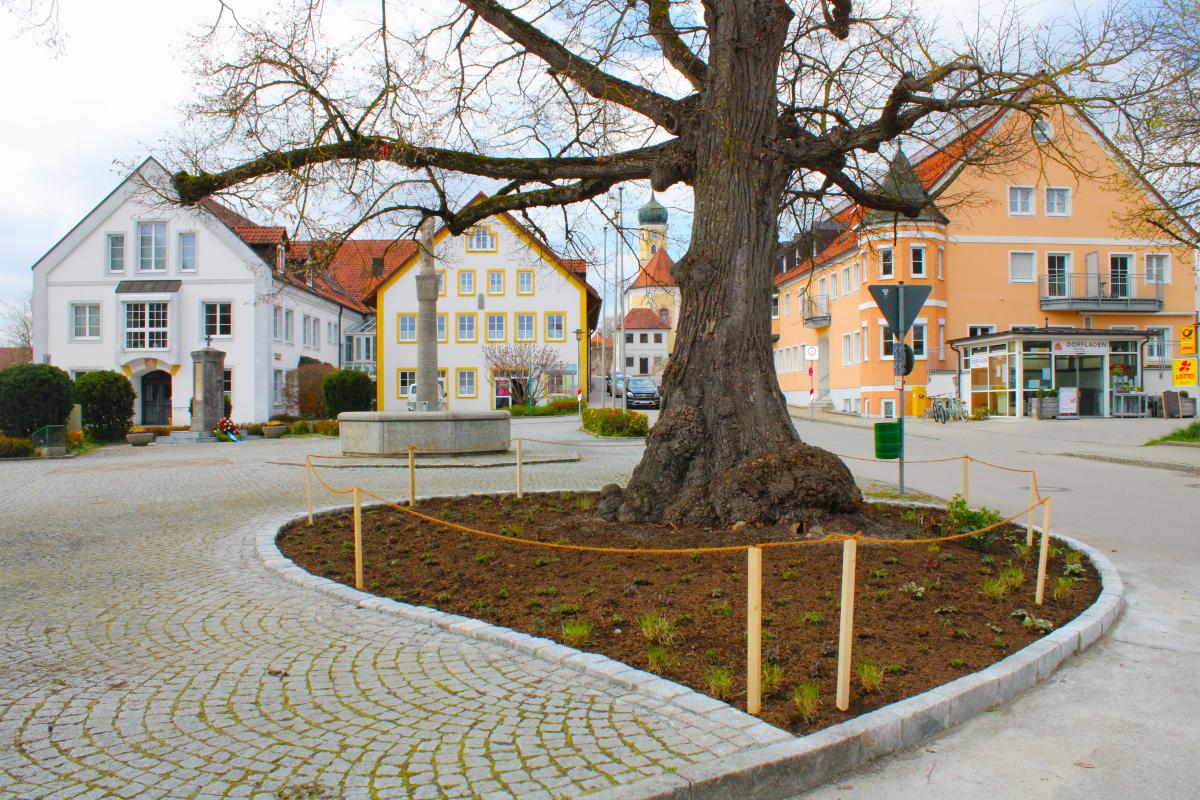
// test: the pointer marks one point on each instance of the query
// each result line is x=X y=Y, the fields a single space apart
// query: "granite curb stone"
x=782 y=766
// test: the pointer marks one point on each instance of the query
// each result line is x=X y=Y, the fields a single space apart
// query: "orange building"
x=1037 y=282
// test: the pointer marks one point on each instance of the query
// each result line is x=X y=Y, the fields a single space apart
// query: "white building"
x=139 y=283
x=500 y=285
x=646 y=335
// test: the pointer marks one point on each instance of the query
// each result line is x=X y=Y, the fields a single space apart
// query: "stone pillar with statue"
x=208 y=395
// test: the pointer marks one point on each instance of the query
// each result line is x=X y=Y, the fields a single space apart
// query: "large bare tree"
x=757 y=105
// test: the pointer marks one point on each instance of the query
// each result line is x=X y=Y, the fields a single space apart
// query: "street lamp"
x=579 y=370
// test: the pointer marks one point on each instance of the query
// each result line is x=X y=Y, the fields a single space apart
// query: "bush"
x=558 y=407
x=33 y=395
x=310 y=396
x=299 y=428
x=286 y=419
x=107 y=399
x=16 y=448
x=347 y=390
x=615 y=422
x=326 y=427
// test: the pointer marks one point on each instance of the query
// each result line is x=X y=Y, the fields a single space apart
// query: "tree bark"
x=724 y=448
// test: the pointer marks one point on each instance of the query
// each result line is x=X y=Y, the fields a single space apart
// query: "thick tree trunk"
x=724 y=448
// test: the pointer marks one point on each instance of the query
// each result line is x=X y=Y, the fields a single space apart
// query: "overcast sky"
x=107 y=99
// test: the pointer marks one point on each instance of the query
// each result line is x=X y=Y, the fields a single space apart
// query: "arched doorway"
x=156 y=398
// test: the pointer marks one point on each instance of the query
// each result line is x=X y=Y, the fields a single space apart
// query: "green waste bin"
x=887 y=439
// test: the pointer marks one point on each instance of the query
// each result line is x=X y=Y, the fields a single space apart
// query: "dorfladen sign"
x=1081 y=347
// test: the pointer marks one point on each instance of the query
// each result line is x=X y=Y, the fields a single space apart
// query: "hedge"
x=33 y=395
x=107 y=399
x=615 y=422
x=16 y=448
x=558 y=407
x=347 y=390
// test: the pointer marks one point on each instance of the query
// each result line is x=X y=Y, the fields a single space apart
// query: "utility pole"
x=603 y=311
x=620 y=243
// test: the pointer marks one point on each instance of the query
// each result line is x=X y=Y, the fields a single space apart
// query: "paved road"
x=146 y=653
x=1118 y=722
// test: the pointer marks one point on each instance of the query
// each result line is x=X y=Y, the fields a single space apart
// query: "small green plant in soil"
x=891 y=560
x=485 y=558
x=1033 y=623
x=870 y=674
x=1063 y=588
x=995 y=589
x=721 y=609
x=958 y=663
x=914 y=590
x=576 y=632
x=788 y=575
x=502 y=594
x=881 y=573
x=719 y=681
x=1012 y=576
x=806 y=697
x=659 y=659
x=1073 y=571
x=546 y=591
x=962 y=633
x=893 y=669
x=999 y=643
x=945 y=610
x=656 y=628
x=964 y=519
x=812 y=618
x=586 y=503
x=772 y=677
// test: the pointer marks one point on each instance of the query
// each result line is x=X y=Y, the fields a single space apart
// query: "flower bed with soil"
x=924 y=614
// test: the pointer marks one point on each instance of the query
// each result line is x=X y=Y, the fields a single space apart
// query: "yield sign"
x=887 y=297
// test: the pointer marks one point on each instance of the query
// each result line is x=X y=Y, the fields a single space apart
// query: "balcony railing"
x=361 y=366
x=815 y=311
x=1099 y=291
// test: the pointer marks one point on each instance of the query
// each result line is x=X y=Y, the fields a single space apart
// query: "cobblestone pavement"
x=145 y=652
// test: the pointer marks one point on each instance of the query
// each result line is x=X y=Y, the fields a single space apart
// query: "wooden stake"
x=846 y=634
x=520 y=477
x=412 y=476
x=358 y=554
x=308 y=468
x=966 y=492
x=1033 y=498
x=754 y=630
x=1044 y=555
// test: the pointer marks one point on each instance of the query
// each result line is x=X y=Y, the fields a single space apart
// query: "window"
x=465 y=384
x=1042 y=131
x=885 y=342
x=1057 y=270
x=856 y=275
x=1156 y=345
x=822 y=295
x=556 y=382
x=495 y=327
x=114 y=252
x=775 y=305
x=441 y=283
x=526 y=327
x=628 y=361
x=941 y=351
x=289 y=325
x=1020 y=268
x=918 y=345
x=406 y=327
x=277 y=323
x=306 y=331
x=218 y=319
x=146 y=326
x=466 y=328
x=1058 y=201
x=855 y=347
x=866 y=355
x=76 y=374
x=277 y=387
x=330 y=333
x=889 y=409
x=886 y=267
x=556 y=327
x=85 y=321
x=643 y=338
x=227 y=383
x=1020 y=201
x=524 y=281
x=406 y=379
x=480 y=239
x=787 y=304
x=918 y=262
x=1158 y=268
x=980 y=330
x=846 y=280
x=847 y=349
x=441 y=328
x=941 y=259
x=629 y=338
x=187 y=252
x=658 y=338
x=495 y=281
x=833 y=286
x=466 y=282
x=152 y=246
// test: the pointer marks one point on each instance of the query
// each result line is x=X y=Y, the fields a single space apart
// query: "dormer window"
x=480 y=239
x=377 y=267
x=665 y=316
x=1043 y=131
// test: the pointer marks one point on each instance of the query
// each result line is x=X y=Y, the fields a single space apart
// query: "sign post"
x=900 y=305
x=811 y=353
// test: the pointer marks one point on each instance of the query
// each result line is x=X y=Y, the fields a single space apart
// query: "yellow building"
x=654 y=286
x=1036 y=282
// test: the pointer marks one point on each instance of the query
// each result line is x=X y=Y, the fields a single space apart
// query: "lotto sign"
x=1187 y=340
x=1183 y=371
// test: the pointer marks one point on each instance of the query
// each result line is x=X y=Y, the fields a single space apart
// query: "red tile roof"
x=657 y=272
x=227 y=215
x=575 y=265
x=644 y=318
x=260 y=234
x=352 y=265
x=14 y=355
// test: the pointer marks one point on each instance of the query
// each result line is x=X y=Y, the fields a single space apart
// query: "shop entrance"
x=1087 y=374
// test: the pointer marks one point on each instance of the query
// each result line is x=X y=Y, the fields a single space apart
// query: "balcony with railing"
x=1099 y=291
x=814 y=310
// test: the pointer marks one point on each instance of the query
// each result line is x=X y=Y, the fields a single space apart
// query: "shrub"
x=870 y=674
x=347 y=390
x=718 y=680
x=287 y=419
x=300 y=428
x=310 y=394
x=807 y=699
x=557 y=407
x=326 y=427
x=16 y=448
x=961 y=516
x=615 y=422
x=107 y=399
x=33 y=395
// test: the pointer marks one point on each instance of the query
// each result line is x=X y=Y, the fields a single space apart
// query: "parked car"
x=614 y=384
x=643 y=392
x=412 y=396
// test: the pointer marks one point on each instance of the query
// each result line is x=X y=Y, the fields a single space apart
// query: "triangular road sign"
x=887 y=297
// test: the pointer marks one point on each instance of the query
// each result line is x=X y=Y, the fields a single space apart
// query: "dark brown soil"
x=922 y=642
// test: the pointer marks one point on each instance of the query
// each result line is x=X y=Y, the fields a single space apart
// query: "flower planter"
x=1187 y=406
x=1045 y=407
x=139 y=439
x=273 y=431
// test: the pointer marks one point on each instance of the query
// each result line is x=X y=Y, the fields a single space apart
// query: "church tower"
x=652 y=236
